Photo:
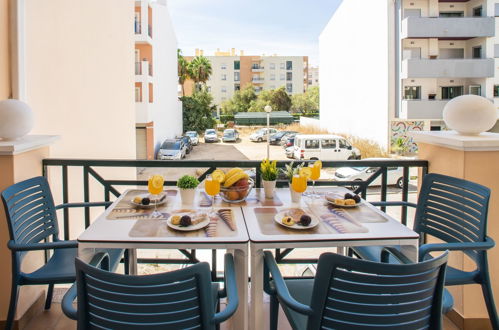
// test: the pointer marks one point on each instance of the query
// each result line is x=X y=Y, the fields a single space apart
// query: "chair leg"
x=217 y=327
x=50 y=293
x=489 y=302
x=274 y=312
x=12 y=306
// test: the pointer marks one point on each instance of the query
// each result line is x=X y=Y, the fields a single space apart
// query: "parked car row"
x=179 y=147
x=229 y=135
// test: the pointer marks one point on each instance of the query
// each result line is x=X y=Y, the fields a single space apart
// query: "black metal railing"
x=90 y=168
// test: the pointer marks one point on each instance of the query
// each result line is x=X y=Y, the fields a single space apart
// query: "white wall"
x=354 y=54
x=167 y=109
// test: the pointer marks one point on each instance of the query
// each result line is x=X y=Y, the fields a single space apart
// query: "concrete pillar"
x=473 y=158
x=20 y=160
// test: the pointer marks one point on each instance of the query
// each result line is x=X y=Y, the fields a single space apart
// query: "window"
x=451 y=92
x=477 y=52
x=281 y=76
x=412 y=92
x=236 y=76
x=237 y=65
x=272 y=87
x=224 y=89
x=272 y=66
x=477 y=12
x=289 y=87
x=237 y=87
x=475 y=90
x=289 y=76
x=311 y=144
x=223 y=66
x=344 y=144
x=224 y=76
x=289 y=65
x=452 y=14
x=496 y=90
x=328 y=144
x=281 y=66
x=272 y=76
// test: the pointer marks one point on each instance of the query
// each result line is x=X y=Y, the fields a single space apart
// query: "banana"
x=234 y=178
x=231 y=172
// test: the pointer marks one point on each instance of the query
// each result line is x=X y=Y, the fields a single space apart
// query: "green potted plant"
x=187 y=186
x=269 y=177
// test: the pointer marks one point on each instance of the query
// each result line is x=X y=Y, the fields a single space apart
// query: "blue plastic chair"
x=32 y=221
x=454 y=211
x=181 y=299
x=350 y=293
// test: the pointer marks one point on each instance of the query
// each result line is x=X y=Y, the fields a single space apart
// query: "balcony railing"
x=447 y=68
x=448 y=27
x=138 y=68
x=422 y=109
x=258 y=80
x=137 y=28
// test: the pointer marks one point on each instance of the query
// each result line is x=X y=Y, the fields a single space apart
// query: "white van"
x=324 y=147
x=395 y=175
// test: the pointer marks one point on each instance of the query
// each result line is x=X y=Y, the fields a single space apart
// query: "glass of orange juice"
x=298 y=186
x=155 y=187
x=212 y=188
x=315 y=175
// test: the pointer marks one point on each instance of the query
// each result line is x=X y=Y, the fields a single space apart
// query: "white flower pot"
x=187 y=196
x=268 y=188
x=295 y=196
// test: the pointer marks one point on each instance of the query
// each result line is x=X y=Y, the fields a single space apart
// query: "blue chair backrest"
x=453 y=210
x=353 y=293
x=176 y=300
x=30 y=211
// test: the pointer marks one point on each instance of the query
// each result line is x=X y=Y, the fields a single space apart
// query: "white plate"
x=151 y=205
x=197 y=226
x=278 y=217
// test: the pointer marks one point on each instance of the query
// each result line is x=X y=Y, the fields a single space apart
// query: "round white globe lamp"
x=16 y=119
x=470 y=114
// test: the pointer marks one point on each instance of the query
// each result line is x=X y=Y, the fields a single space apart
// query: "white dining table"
x=111 y=231
x=265 y=233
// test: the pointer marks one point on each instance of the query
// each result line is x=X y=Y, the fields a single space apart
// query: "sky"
x=282 y=27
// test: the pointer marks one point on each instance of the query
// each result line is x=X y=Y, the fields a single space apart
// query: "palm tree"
x=200 y=69
x=183 y=70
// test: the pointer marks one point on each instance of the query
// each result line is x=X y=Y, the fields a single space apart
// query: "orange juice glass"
x=212 y=188
x=155 y=187
x=316 y=173
x=299 y=183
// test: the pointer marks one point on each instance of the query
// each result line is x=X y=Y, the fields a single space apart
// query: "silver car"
x=194 y=137
x=172 y=150
x=230 y=135
x=210 y=135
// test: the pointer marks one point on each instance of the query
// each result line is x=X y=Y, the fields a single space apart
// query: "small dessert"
x=305 y=220
x=227 y=216
x=295 y=214
x=211 y=229
x=146 y=201
x=356 y=198
x=137 y=200
x=338 y=201
x=288 y=221
x=176 y=220
x=185 y=221
x=350 y=202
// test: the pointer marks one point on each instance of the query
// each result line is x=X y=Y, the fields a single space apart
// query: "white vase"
x=295 y=196
x=16 y=119
x=187 y=196
x=268 y=188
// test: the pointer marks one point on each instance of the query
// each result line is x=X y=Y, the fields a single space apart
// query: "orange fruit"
x=232 y=195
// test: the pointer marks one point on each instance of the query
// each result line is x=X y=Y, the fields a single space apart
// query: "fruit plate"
x=236 y=194
x=197 y=226
x=162 y=200
x=278 y=218
x=344 y=206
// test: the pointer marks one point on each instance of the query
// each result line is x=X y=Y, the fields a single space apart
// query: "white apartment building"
x=231 y=73
x=431 y=51
x=158 y=112
x=313 y=76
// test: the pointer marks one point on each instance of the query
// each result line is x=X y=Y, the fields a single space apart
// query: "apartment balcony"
x=422 y=109
x=143 y=111
x=259 y=80
x=447 y=68
x=257 y=69
x=448 y=27
x=143 y=35
x=143 y=72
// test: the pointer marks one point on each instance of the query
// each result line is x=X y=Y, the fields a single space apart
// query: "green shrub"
x=187 y=182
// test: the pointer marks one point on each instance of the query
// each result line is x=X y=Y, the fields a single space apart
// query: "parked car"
x=324 y=147
x=395 y=175
x=289 y=142
x=230 y=135
x=210 y=135
x=286 y=137
x=261 y=134
x=276 y=138
x=172 y=149
x=194 y=137
x=187 y=142
x=290 y=152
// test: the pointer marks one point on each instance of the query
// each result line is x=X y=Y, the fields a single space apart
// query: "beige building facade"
x=231 y=72
x=313 y=76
